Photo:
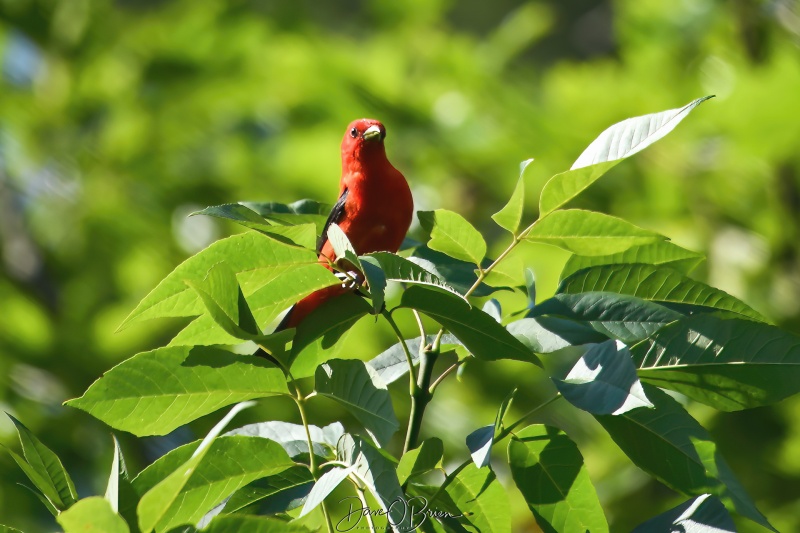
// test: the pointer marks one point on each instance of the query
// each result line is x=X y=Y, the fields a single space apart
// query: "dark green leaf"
x=616 y=143
x=479 y=332
x=359 y=388
x=451 y=234
x=479 y=443
x=274 y=494
x=155 y=392
x=589 y=233
x=558 y=334
x=92 y=515
x=548 y=469
x=604 y=381
x=8 y=529
x=663 y=253
x=673 y=447
x=704 y=514
x=47 y=493
x=619 y=316
x=398 y=268
x=458 y=274
x=728 y=364
x=658 y=284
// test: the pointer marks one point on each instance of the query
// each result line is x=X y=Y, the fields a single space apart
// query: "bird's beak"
x=373 y=132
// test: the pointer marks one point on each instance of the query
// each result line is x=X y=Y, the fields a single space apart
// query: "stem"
x=443 y=375
x=420 y=397
x=365 y=505
x=500 y=436
x=300 y=401
x=409 y=359
x=422 y=333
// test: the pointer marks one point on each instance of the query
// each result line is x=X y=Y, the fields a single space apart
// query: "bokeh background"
x=120 y=117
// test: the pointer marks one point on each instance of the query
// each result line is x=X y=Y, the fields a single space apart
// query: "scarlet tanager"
x=374 y=208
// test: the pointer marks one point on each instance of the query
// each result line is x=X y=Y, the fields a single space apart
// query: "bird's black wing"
x=336 y=216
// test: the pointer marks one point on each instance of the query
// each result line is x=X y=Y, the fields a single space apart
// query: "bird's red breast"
x=374 y=209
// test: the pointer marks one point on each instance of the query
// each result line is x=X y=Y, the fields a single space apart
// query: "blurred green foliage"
x=118 y=118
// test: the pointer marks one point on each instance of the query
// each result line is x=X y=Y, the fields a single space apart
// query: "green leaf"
x=223 y=298
x=616 y=143
x=252 y=524
x=673 y=447
x=8 y=529
x=160 y=508
x=457 y=274
x=274 y=494
x=155 y=392
x=318 y=335
x=326 y=484
x=376 y=281
x=92 y=515
x=230 y=463
x=510 y=216
x=119 y=487
x=359 y=388
x=658 y=284
x=299 y=235
x=341 y=244
x=481 y=499
x=728 y=364
x=254 y=257
x=391 y=364
x=704 y=514
x=53 y=479
x=479 y=332
x=480 y=441
x=398 y=268
x=619 y=316
x=604 y=381
x=589 y=233
x=424 y=458
x=293 y=437
x=548 y=469
x=47 y=493
x=379 y=476
x=658 y=253
x=557 y=335
x=278 y=291
x=451 y=234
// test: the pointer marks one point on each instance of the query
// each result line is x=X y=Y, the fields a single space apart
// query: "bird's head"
x=363 y=138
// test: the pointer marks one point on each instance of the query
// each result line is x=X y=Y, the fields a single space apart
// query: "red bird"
x=374 y=208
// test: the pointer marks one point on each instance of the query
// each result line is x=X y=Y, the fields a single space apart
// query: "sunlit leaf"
x=160 y=507
x=252 y=524
x=293 y=437
x=274 y=494
x=510 y=216
x=392 y=364
x=424 y=458
x=704 y=514
x=481 y=499
x=225 y=302
x=604 y=381
x=255 y=258
x=616 y=143
x=359 y=389
x=451 y=234
x=155 y=392
x=548 y=469
x=659 y=253
x=52 y=478
x=326 y=484
x=92 y=515
x=589 y=233
x=379 y=476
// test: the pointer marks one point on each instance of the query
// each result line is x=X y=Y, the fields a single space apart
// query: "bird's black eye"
x=354 y=133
